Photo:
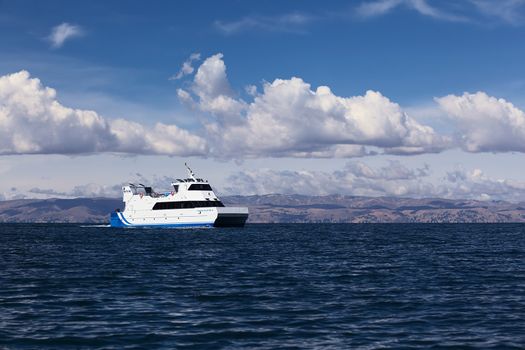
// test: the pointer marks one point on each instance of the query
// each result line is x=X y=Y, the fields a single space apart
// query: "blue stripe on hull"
x=121 y=216
x=118 y=220
x=115 y=221
x=169 y=226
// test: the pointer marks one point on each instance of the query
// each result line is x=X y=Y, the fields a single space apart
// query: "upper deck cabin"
x=191 y=188
x=180 y=185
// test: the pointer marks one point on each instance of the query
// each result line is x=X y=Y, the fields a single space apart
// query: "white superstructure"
x=190 y=202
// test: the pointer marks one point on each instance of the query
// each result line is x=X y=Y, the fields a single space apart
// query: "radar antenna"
x=190 y=172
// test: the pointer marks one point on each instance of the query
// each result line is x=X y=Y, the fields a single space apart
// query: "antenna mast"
x=190 y=172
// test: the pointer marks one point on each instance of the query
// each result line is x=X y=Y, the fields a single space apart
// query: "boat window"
x=176 y=188
x=200 y=187
x=186 y=205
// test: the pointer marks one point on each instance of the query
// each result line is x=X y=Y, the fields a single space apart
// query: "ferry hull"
x=219 y=217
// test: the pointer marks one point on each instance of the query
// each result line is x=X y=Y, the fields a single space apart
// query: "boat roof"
x=190 y=180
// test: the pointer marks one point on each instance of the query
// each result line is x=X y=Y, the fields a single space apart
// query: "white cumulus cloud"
x=486 y=123
x=166 y=139
x=32 y=121
x=213 y=90
x=63 y=32
x=286 y=118
x=289 y=118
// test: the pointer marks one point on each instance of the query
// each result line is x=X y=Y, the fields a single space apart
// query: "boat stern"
x=231 y=217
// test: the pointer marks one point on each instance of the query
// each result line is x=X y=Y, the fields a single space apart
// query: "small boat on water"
x=191 y=202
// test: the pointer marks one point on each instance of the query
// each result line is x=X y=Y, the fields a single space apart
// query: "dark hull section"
x=230 y=220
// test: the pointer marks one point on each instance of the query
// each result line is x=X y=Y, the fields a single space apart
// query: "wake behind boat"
x=190 y=203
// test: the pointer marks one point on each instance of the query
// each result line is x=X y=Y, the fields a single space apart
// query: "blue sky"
x=238 y=115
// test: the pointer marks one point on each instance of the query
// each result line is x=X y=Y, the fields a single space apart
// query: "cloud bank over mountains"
x=287 y=118
x=355 y=178
x=392 y=179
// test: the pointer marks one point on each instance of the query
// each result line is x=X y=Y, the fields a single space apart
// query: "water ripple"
x=265 y=286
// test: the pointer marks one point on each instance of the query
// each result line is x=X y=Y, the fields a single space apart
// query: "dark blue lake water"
x=264 y=286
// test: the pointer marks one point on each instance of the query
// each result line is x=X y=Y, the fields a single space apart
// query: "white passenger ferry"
x=191 y=202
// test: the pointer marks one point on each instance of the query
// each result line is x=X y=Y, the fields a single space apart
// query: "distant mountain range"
x=278 y=208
